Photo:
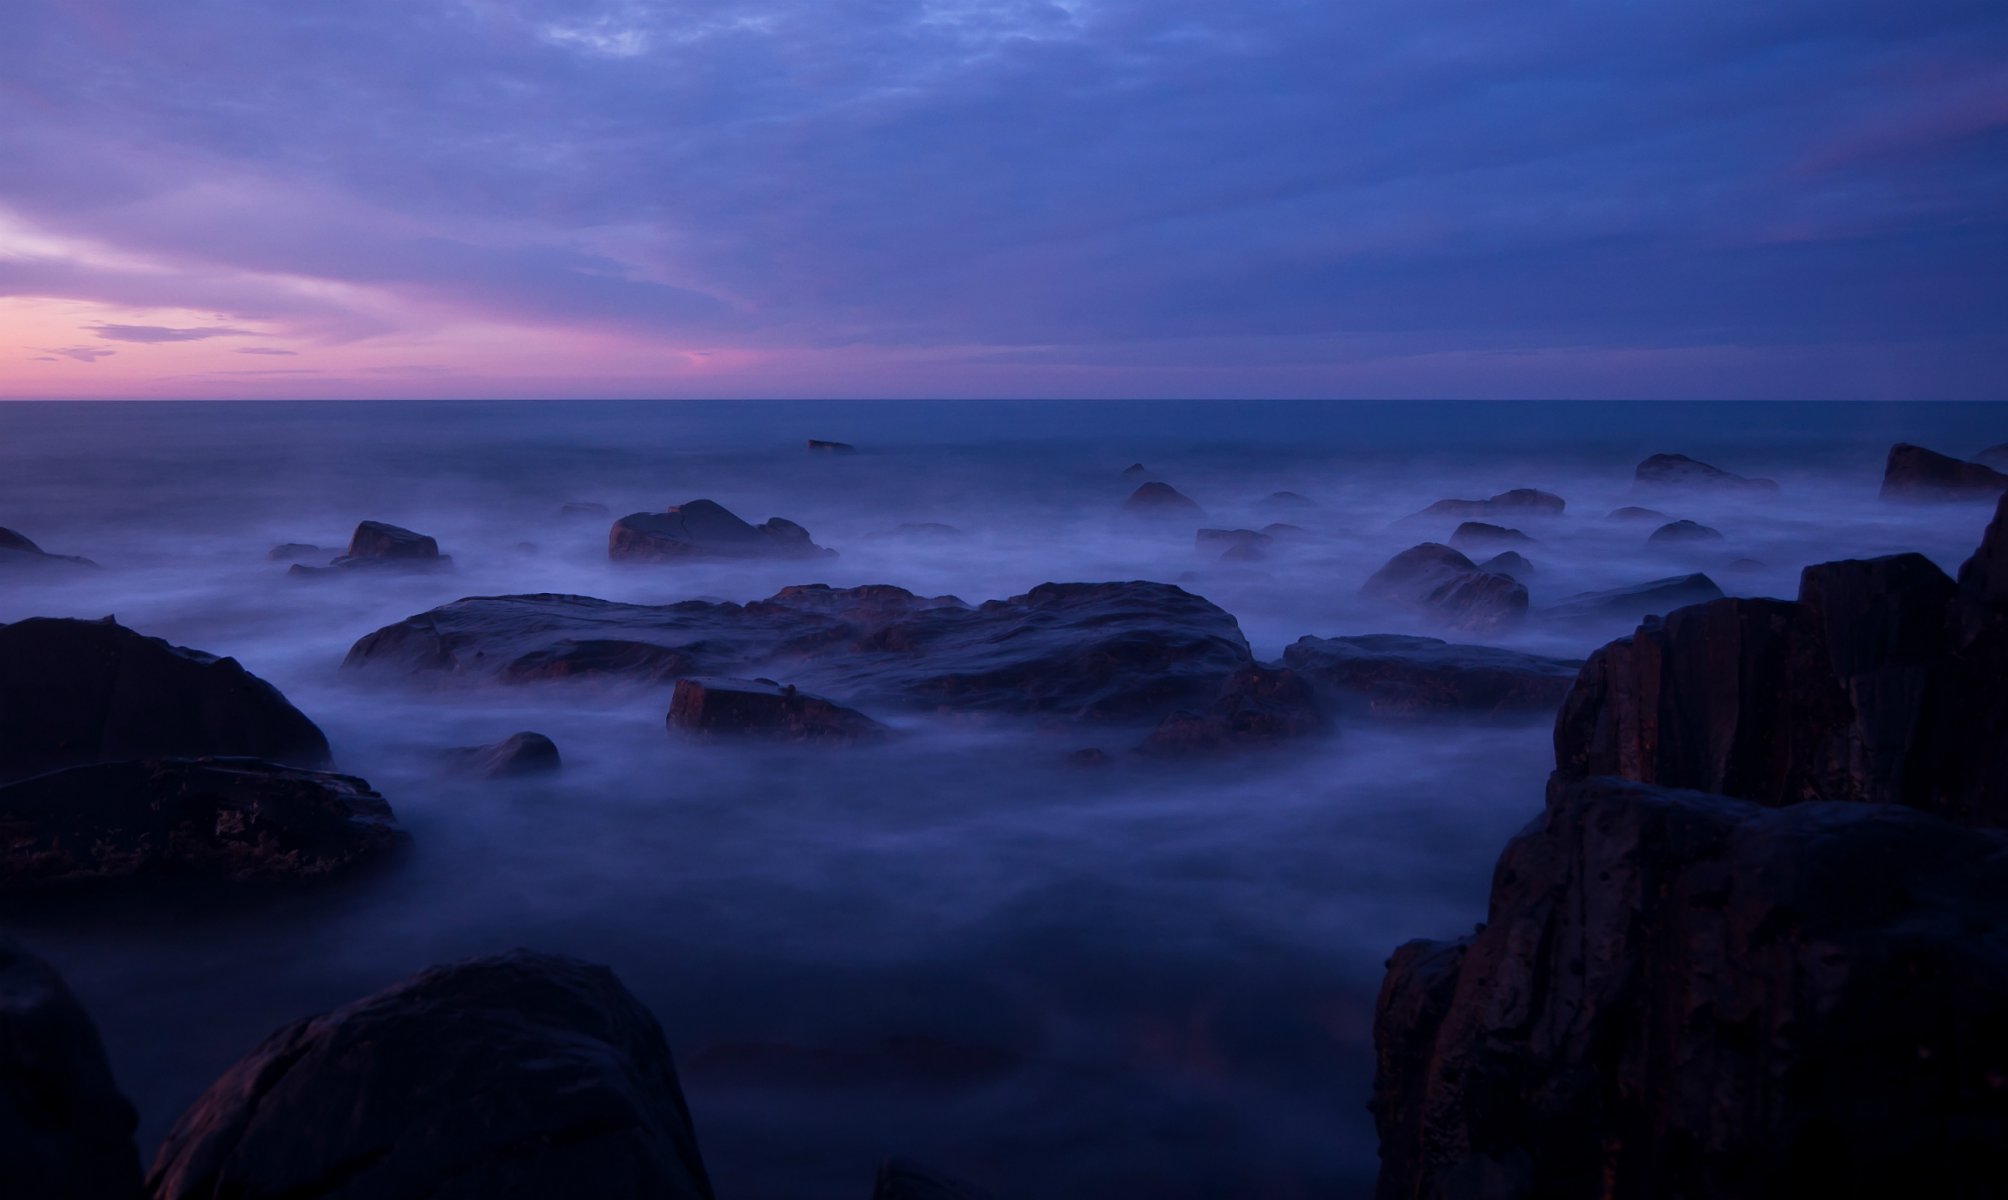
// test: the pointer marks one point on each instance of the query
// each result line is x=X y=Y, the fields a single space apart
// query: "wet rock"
x=1161 y=500
x=818 y=446
x=1531 y=502
x=1510 y=563
x=17 y=551
x=289 y=551
x=377 y=545
x=1663 y=471
x=1678 y=994
x=1632 y=512
x=584 y=508
x=1257 y=708
x=1679 y=532
x=713 y=707
x=1478 y=535
x=705 y=530
x=1101 y=651
x=1914 y=473
x=1448 y=588
x=901 y=1179
x=1637 y=602
x=188 y=818
x=1397 y=676
x=518 y=755
x=74 y=692
x=65 y=1131
x=520 y=1074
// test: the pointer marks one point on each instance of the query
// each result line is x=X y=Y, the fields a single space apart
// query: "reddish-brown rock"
x=714 y=707
x=704 y=529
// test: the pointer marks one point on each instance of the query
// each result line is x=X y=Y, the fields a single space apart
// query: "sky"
x=1705 y=199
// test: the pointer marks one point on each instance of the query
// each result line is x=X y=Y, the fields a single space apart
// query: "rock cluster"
x=1448 y=589
x=704 y=529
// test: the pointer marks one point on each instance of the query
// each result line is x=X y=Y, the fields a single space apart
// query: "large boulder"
x=520 y=1074
x=76 y=692
x=1914 y=473
x=714 y=708
x=1448 y=589
x=229 y=819
x=65 y=1131
x=517 y=756
x=17 y=551
x=1677 y=994
x=1663 y=471
x=1400 y=677
x=704 y=529
x=1161 y=501
x=1638 y=601
x=1091 y=651
x=1257 y=708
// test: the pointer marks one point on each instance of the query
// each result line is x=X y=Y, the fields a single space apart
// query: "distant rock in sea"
x=704 y=529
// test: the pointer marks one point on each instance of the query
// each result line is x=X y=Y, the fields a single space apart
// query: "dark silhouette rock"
x=1287 y=502
x=1994 y=456
x=1233 y=545
x=1682 y=532
x=1161 y=500
x=1679 y=471
x=1257 y=708
x=900 y=1179
x=1449 y=589
x=1510 y=563
x=1632 y=512
x=17 y=551
x=74 y=692
x=1637 y=602
x=818 y=446
x=1136 y=471
x=584 y=508
x=714 y=707
x=704 y=529
x=1397 y=676
x=1100 y=651
x=516 y=756
x=289 y=551
x=1526 y=502
x=189 y=818
x=1678 y=994
x=1478 y=535
x=1914 y=473
x=65 y=1131
x=520 y=1074
x=376 y=545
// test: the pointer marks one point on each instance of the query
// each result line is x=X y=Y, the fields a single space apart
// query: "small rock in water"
x=378 y=545
x=818 y=446
x=584 y=508
x=288 y=551
x=1683 y=531
x=1663 y=471
x=1135 y=471
x=705 y=529
x=712 y=707
x=517 y=755
x=1443 y=585
x=1477 y=535
x=1632 y=512
x=1161 y=500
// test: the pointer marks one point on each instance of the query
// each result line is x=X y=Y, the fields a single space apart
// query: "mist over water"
x=1055 y=982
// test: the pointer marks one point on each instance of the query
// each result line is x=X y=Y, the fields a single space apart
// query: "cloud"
x=82 y=354
x=154 y=334
x=47 y=358
x=265 y=350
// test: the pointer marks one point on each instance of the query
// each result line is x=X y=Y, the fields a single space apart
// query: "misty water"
x=1146 y=981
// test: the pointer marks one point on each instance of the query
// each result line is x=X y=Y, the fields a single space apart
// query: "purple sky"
x=1705 y=198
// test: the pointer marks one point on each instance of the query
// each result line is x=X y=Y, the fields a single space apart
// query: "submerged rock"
x=17 y=551
x=520 y=1074
x=189 y=818
x=74 y=692
x=714 y=707
x=1677 y=532
x=1680 y=471
x=65 y=1131
x=705 y=529
x=1161 y=500
x=289 y=551
x=1632 y=512
x=818 y=446
x=1914 y=473
x=1448 y=588
x=1287 y=502
x=518 y=755
x=1233 y=545
x=1478 y=535
x=1518 y=501
x=1397 y=676
x=1257 y=708
x=1135 y=471
x=1994 y=456
x=1637 y=602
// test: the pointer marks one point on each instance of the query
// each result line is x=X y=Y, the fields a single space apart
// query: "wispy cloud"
x=273 y=350
x=82 y=354
x=154 y=334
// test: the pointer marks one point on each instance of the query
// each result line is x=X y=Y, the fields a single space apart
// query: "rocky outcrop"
x=1090 y=651
x=1448 y=589
x=1638 y=602
x=1675 y=533
x=514 y=757
x=17 y=551
x=1257 y=708
x=724 y=708
x=1400 y=677
x=819 y=446
x=520 y=1074
x=1914 y=473
x=1679 y=471
x=75 y=692
x=1525 y=502
x=1510 y=563
x=1161 y=500
x=65 y=1131
x=706 y=530
x=1677 y=994
x=1478 y=535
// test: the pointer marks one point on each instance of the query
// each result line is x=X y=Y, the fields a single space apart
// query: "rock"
x=1396 y=676
x=520 y=1074
x=1233 y=545
x=288 y=551
x=701 y=530
x=188 y=818
x=1281 y=529
x=1449 y=589
x=584 y=508
x=517 y=755
x=1678 y=994
x=1632 y=512
x=1519 y=501
x=1135 y=471
x=817 y=446
x=1161 y=500
x=1994 y=456
x=899 y=1179
x=1679 y=471
x=1477 y=535
x=714 y=707
x=378 y=540
x=74 y=692
x=1510 y=563
x=1914 y=473
x=1257 y=708
x=1637 y=602
x=1088 y=651
x=1287 y=502
x=9 y=540
x=1676 y=532
x=65 y=1131
x=17 y=551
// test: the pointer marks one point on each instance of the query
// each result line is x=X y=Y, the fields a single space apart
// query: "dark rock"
x=1106 y=651
x=899 y=1179
x=1161 y=500
x=703 y=529
x=17 y=551
x=1257 y=708
x=1287 y=502
x=1632 y=512
x=520 y=1074
x=1398 y=676
x=1677 y=994
x=1477 y=535
x=377 y=540
x=1135 y=471
x=1994 y=456
x=74 y=692
x=1448 y=588
x=1680 y=471
x=584 y=508
x=65 y=1132
x=515 y=756
x=1530 y=502
x=1914 y=473
x=1745 y=564
x=1637 y=602
x=1676 y=532
x=9 y=540
x=192 y=818
x=1510 y=563
x=714 y=707
x=817 y=446
x=1233 y=545
x=288 y=551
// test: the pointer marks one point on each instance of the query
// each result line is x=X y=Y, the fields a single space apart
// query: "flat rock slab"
x=1398 y=676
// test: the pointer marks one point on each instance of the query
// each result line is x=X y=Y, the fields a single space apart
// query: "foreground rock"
x=1161 y=500
x=17 y=551
x=1396 y=676
x=76 y=692
x=1677 y=994
x=704 y=529
x=1090 y=651
x=65 y=1132
x=1449 y=589
x=1524 y=502
x=517 y=756
x=233 y=819
x=1914 y=473
x=715 y=708
x=520 y=1074
x=1637 y=602
x=1678 y=471
x=1257 y=708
